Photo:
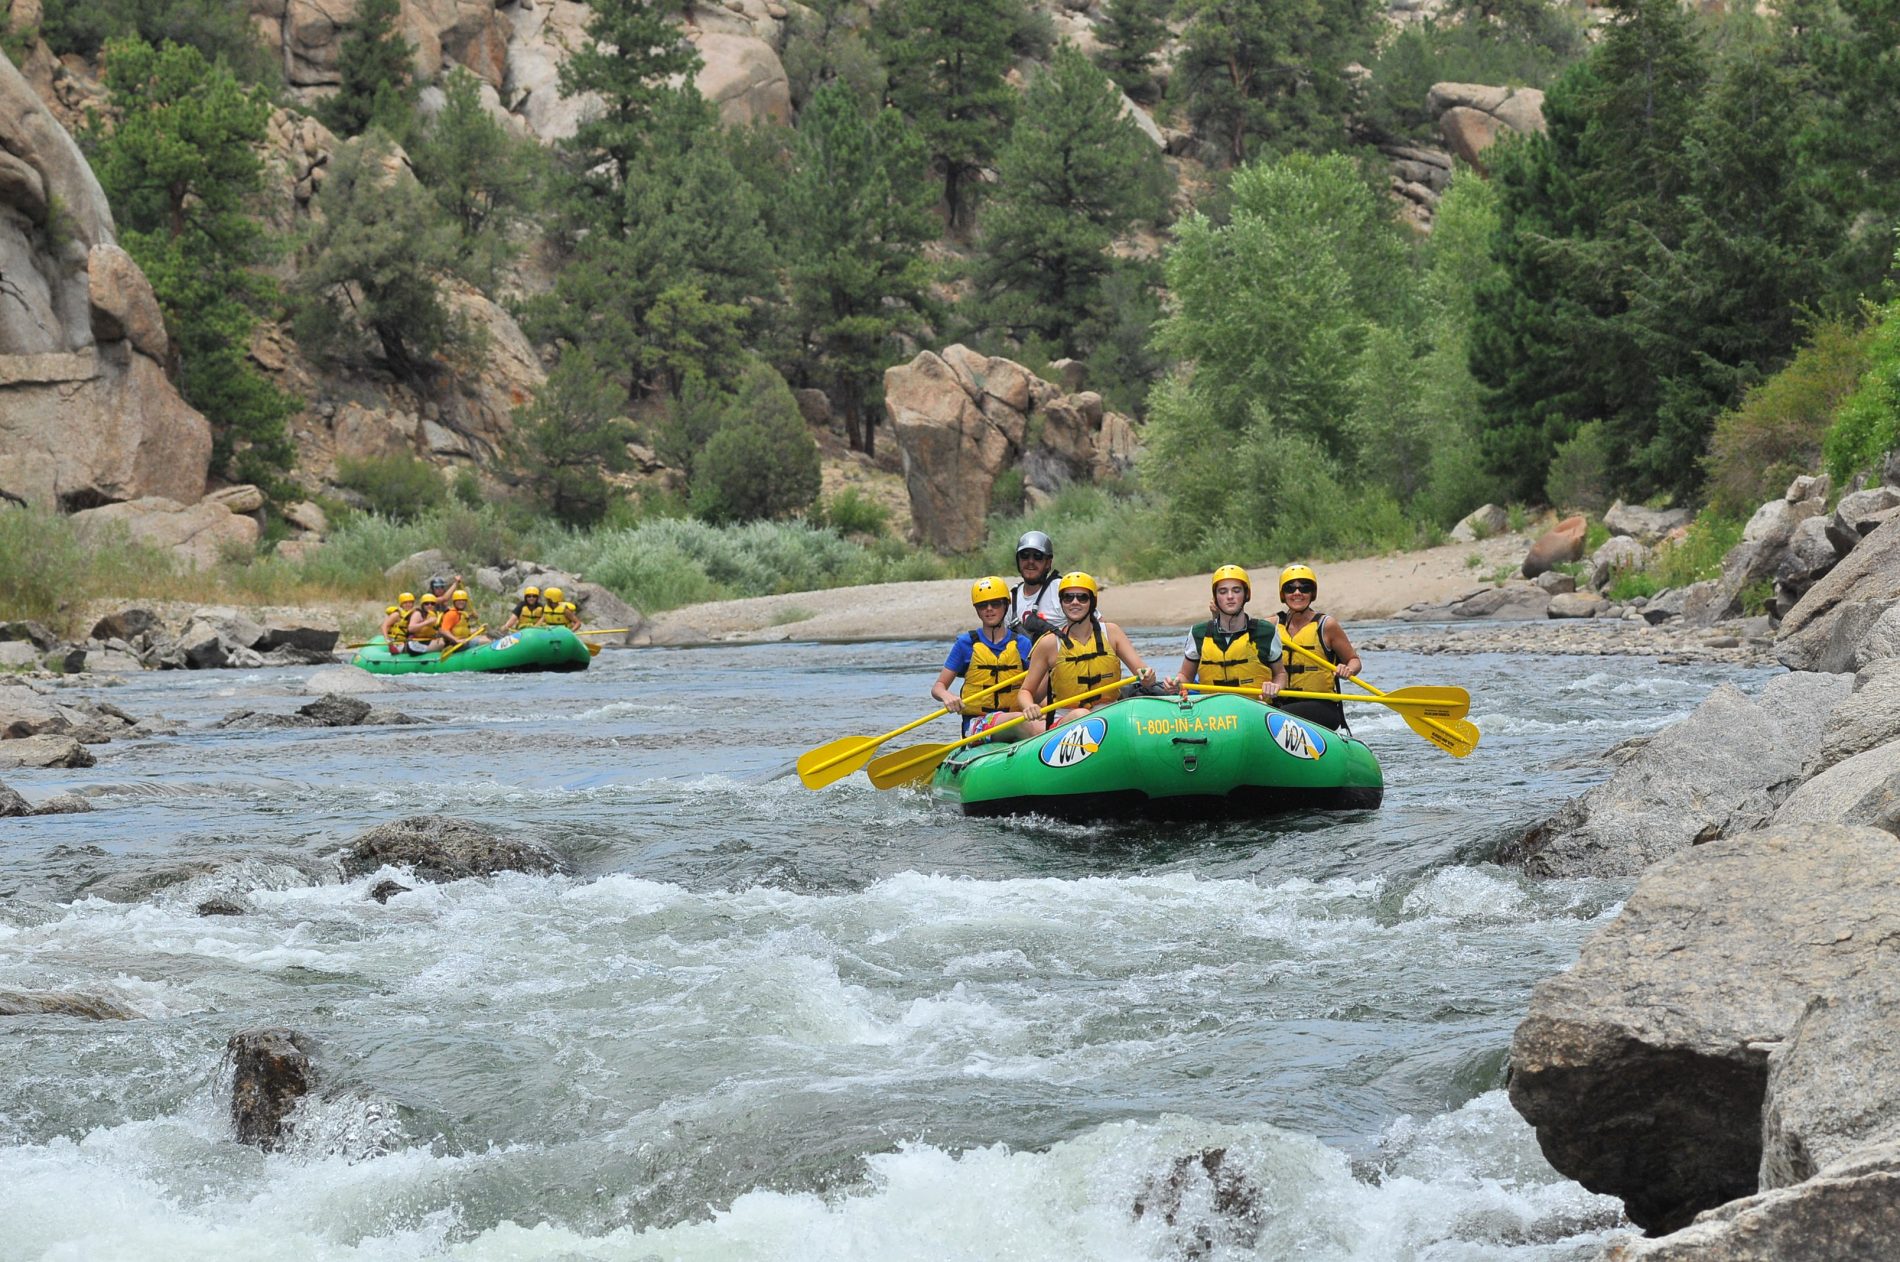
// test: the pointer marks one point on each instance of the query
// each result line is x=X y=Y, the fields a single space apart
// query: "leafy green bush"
x=1579 y=475
x=1627 y=585
x=1777 y=432
x=399 y=487
x=850 y=512
x=1867 y=426
x=759 y=461
x=217 y=28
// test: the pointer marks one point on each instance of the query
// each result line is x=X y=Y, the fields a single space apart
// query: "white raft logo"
x=1070 y=745
x=1295 y=737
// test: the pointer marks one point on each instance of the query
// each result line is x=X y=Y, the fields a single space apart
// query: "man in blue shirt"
x=983 y=658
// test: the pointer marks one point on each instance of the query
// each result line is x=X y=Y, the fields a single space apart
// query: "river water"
x=759 y=1022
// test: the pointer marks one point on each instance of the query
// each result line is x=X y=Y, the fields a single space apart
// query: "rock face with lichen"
x=271 y=1072
x=441 y=849
x=87 y=415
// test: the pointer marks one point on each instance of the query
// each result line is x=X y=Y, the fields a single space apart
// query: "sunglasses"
x=992 y=604
x=1030 y=554
x=1308 y=588
x=1076 y=598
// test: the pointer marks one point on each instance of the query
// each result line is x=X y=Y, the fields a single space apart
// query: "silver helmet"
x=1036 y=541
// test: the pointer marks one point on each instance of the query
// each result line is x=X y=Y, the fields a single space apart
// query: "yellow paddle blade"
x=819 y=767
x=908 y=766
x=593 y=650
x=1456 y=737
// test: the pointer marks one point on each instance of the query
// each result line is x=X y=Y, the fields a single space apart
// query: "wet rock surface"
x=1644 y=1067
x=60 y=1003
x=271 y=1072
x=1230 y=1203
x=1723 y=770
x=444 y=849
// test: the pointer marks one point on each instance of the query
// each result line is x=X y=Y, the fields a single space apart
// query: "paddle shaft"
x=606 y=631
x=870 y=743
x=452 y=649
x=1391 y=699
x=926 y=757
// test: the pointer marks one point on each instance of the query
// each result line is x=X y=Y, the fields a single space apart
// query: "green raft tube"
x=531 y=648
x=1205 y=757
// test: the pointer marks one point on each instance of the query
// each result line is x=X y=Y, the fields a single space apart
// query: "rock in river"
x=441 y=849
x=1644 y=1067
x=271 y=1071
x=1721 y=771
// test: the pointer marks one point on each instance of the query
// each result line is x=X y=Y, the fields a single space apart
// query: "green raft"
x=531 y=648
x=1205 y=757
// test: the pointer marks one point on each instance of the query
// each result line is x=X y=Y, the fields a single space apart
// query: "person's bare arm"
x=1349 y=663
x=1036 y=677
x=941 y=693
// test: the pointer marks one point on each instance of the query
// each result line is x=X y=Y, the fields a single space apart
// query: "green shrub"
x=1595 y=535
x=760 y=461
x=1777 y=432
x=851 y=512
x=1867 y=426
x=402 y=488
x=1629 y=584
x=1579 y=475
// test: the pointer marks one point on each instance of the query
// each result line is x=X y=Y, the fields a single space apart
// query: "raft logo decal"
x=507 y=641
x=1073 y=742
x=1295 y=737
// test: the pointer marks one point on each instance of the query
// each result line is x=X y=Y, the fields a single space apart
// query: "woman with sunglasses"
x=1033 y=607
x=1083 y=654
x=1318 y=633
x=981 y=658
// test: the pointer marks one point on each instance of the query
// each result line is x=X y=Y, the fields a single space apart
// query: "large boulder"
x=1867 y=718
x=45 y=751
x=1834 y=1084
x=1863 y=790
x=1481 y=523
x=1858 y=513
x=270 y=1073
x=953 y=450
x=601 y=608
x=1764 y=539
x=1644 y=1066
x=1471 y=115
x=1810 y=554
x=444 y=849
x=1722 y=770
x=1832 y=626
x=1619 y=554
x=1560 y=544
x=1510 y=602
x=198 y=534
x=124 y=308
x=317 y=633
x=1645 y=525
x=24 y=713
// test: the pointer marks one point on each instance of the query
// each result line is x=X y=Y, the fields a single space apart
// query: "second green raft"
x=1165 y=757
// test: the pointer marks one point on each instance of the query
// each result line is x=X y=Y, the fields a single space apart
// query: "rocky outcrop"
x=444 y=849
x=1471 y=116
x=1644 y=1068
x=1868 y=718
x=45 y=751
x=1723 y=770
x=745 y=79
x=1645 y=525
x=1833 y=1091
x=1481 y=523
x=1863 y=790
x=199 y=534
x=307 y=34
x=1843 y=623
x=271 y=1072
x=961 y=419
x=87 y=415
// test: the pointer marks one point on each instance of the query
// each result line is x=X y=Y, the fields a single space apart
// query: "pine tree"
x=632 y=53
x=182 y=167
x=1073 y=175
x=1132 y=32
x=485 y=180
x=860 y=218
x=947 y=59
x=570 y=438
x=376 y=69
x=1271 y=75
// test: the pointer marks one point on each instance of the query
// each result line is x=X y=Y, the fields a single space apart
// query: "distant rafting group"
x=1062 y=717
x=441 y=620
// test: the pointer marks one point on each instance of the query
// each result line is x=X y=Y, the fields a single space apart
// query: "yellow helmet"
x=458 y=595
x=408 y=597
x=1235 y=573
x=531 y=591
x=1076 y=579
x=553 y=594
x=991 y=588
x=1292 y=572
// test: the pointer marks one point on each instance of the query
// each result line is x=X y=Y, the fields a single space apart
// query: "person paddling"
x=982 y=658
x=396 y=621
x=529 y=613
x=1320 y=635
x=458 y=624
x=1034 y=609
x=1232 y=648
x=1084 y=653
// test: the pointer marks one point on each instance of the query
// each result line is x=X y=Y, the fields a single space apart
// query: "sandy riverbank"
x=1357 y=590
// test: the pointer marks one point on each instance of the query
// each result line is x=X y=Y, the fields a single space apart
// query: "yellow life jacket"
x=452 y=620
x=532 y=615
x=1080 y=667
x=561 y=615
x=1238 y=664
x=399 y=630
x=430 y=628
x=1302 y=674
x=990 y=665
